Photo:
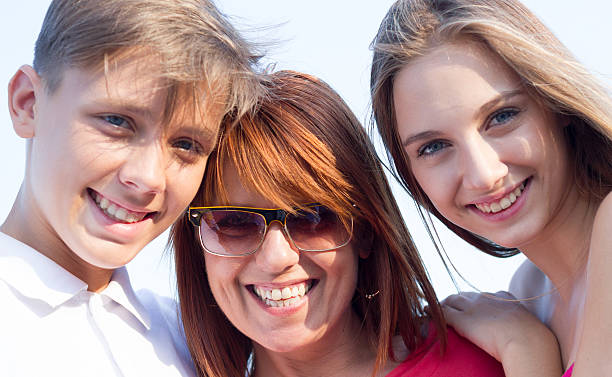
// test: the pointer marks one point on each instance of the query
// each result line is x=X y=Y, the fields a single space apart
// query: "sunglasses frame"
x=270 y=215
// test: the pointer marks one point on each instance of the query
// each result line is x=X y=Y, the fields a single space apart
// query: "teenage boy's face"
x=106 y=173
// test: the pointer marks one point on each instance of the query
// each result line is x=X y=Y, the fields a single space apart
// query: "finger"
x=458 y=301
x=456 y=318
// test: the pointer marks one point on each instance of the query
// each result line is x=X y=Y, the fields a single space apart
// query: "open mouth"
x=116 y=212
x=504 y=203
x=283 y=297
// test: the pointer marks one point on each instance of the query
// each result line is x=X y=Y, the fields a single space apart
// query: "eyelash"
x=421 y=151
x=513 y=112
x=110 y=118
x=195 y=146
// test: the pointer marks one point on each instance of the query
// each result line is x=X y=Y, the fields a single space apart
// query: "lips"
x=286 y=296
x=117 y=212
x=503 y=203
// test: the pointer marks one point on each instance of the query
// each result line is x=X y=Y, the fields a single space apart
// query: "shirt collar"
x=34 y=275
x=120 y=290
x=37 y=277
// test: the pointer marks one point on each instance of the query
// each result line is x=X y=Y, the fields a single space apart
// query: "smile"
x=115 y=211
x=503 y=203
x=283 y=297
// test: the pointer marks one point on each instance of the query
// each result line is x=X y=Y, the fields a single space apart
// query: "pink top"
x=462 y=359
x=568 y=372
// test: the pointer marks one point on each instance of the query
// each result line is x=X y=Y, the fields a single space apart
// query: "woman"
x=294 y=259
x=495 y=128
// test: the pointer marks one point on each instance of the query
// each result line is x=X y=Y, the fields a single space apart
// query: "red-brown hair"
x=303 y=142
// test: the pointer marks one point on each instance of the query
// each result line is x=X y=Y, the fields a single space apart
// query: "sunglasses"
x=239 y=231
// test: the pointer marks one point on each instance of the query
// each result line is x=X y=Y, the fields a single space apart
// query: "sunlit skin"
x=104 y=136
x=473 y=135
x=321 y=330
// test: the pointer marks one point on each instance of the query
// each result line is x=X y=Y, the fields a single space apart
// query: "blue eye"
x=187 y=145
x=432 y=148
x=502 y=117
x=116 y=120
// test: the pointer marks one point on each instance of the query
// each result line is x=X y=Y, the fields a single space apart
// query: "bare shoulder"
x=604 y=212
x=529 y=283
x=601 y=237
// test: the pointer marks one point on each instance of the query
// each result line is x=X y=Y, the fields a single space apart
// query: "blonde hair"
x=549 y=73
x=195 y=45
x=303 y=143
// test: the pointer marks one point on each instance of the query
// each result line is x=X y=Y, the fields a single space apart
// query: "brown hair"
x=548 y=72
x=197 y=48
x=304 y=143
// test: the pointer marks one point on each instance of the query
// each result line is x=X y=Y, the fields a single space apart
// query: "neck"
x=343 y=351
x=561 y=250
x=25 y=224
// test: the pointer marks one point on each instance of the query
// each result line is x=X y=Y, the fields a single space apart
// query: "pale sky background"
x=330 y=39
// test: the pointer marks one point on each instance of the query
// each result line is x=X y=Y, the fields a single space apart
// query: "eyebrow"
x=124 y=107
x=485 y=108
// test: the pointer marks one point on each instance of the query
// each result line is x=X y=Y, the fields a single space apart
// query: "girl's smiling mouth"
x=504 y=205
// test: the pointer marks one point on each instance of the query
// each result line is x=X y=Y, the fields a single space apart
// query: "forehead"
x=450 y=77
x=134 y=84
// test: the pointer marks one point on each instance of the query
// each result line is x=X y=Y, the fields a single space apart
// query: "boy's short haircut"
x=199 y=52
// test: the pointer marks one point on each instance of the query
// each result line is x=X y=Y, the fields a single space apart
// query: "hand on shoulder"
x=500 y=325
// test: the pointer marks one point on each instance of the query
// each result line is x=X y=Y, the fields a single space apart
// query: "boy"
x=120 y=110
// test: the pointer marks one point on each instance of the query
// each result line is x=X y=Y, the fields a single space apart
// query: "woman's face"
x=317 y=286
x=491 y=159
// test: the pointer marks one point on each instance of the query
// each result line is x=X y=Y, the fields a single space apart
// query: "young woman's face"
x=309 y=293
x=489 y=157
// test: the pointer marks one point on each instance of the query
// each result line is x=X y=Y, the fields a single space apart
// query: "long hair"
x=304 y=143
x=548 y=71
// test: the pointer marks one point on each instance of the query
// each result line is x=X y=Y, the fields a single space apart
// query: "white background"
x=330 y=39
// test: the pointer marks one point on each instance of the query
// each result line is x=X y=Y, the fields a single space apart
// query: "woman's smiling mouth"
x=282 y=297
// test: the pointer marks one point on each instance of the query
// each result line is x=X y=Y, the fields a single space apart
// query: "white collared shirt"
x=50 y=325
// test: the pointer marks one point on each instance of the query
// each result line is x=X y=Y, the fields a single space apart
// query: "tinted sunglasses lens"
x=231 y=232
x=319 y=229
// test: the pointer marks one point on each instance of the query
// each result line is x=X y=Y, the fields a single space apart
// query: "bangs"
x=278 y=155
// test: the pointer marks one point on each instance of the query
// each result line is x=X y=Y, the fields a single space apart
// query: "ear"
x=22 y=91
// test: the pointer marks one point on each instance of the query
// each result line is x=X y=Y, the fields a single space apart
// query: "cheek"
x=438 y=183
x=222 y=276
x=183 y=183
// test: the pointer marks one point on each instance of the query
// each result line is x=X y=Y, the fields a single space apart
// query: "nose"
x=482 y=166
x=276 y=254
x=144 y=169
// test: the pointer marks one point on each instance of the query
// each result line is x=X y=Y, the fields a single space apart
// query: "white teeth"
x=286 y=292
x=517 y=192
x=121 y=214
x=495 y=207
x=276 y=294
x=285 y=297
x=503 y=203
x=116 y=212
x=111 y=209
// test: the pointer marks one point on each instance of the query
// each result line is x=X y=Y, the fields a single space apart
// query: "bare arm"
x=593 y=356
x=502 y=327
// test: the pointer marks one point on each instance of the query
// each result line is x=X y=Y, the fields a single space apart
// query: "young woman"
x=495 y=128
x=294 y=259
